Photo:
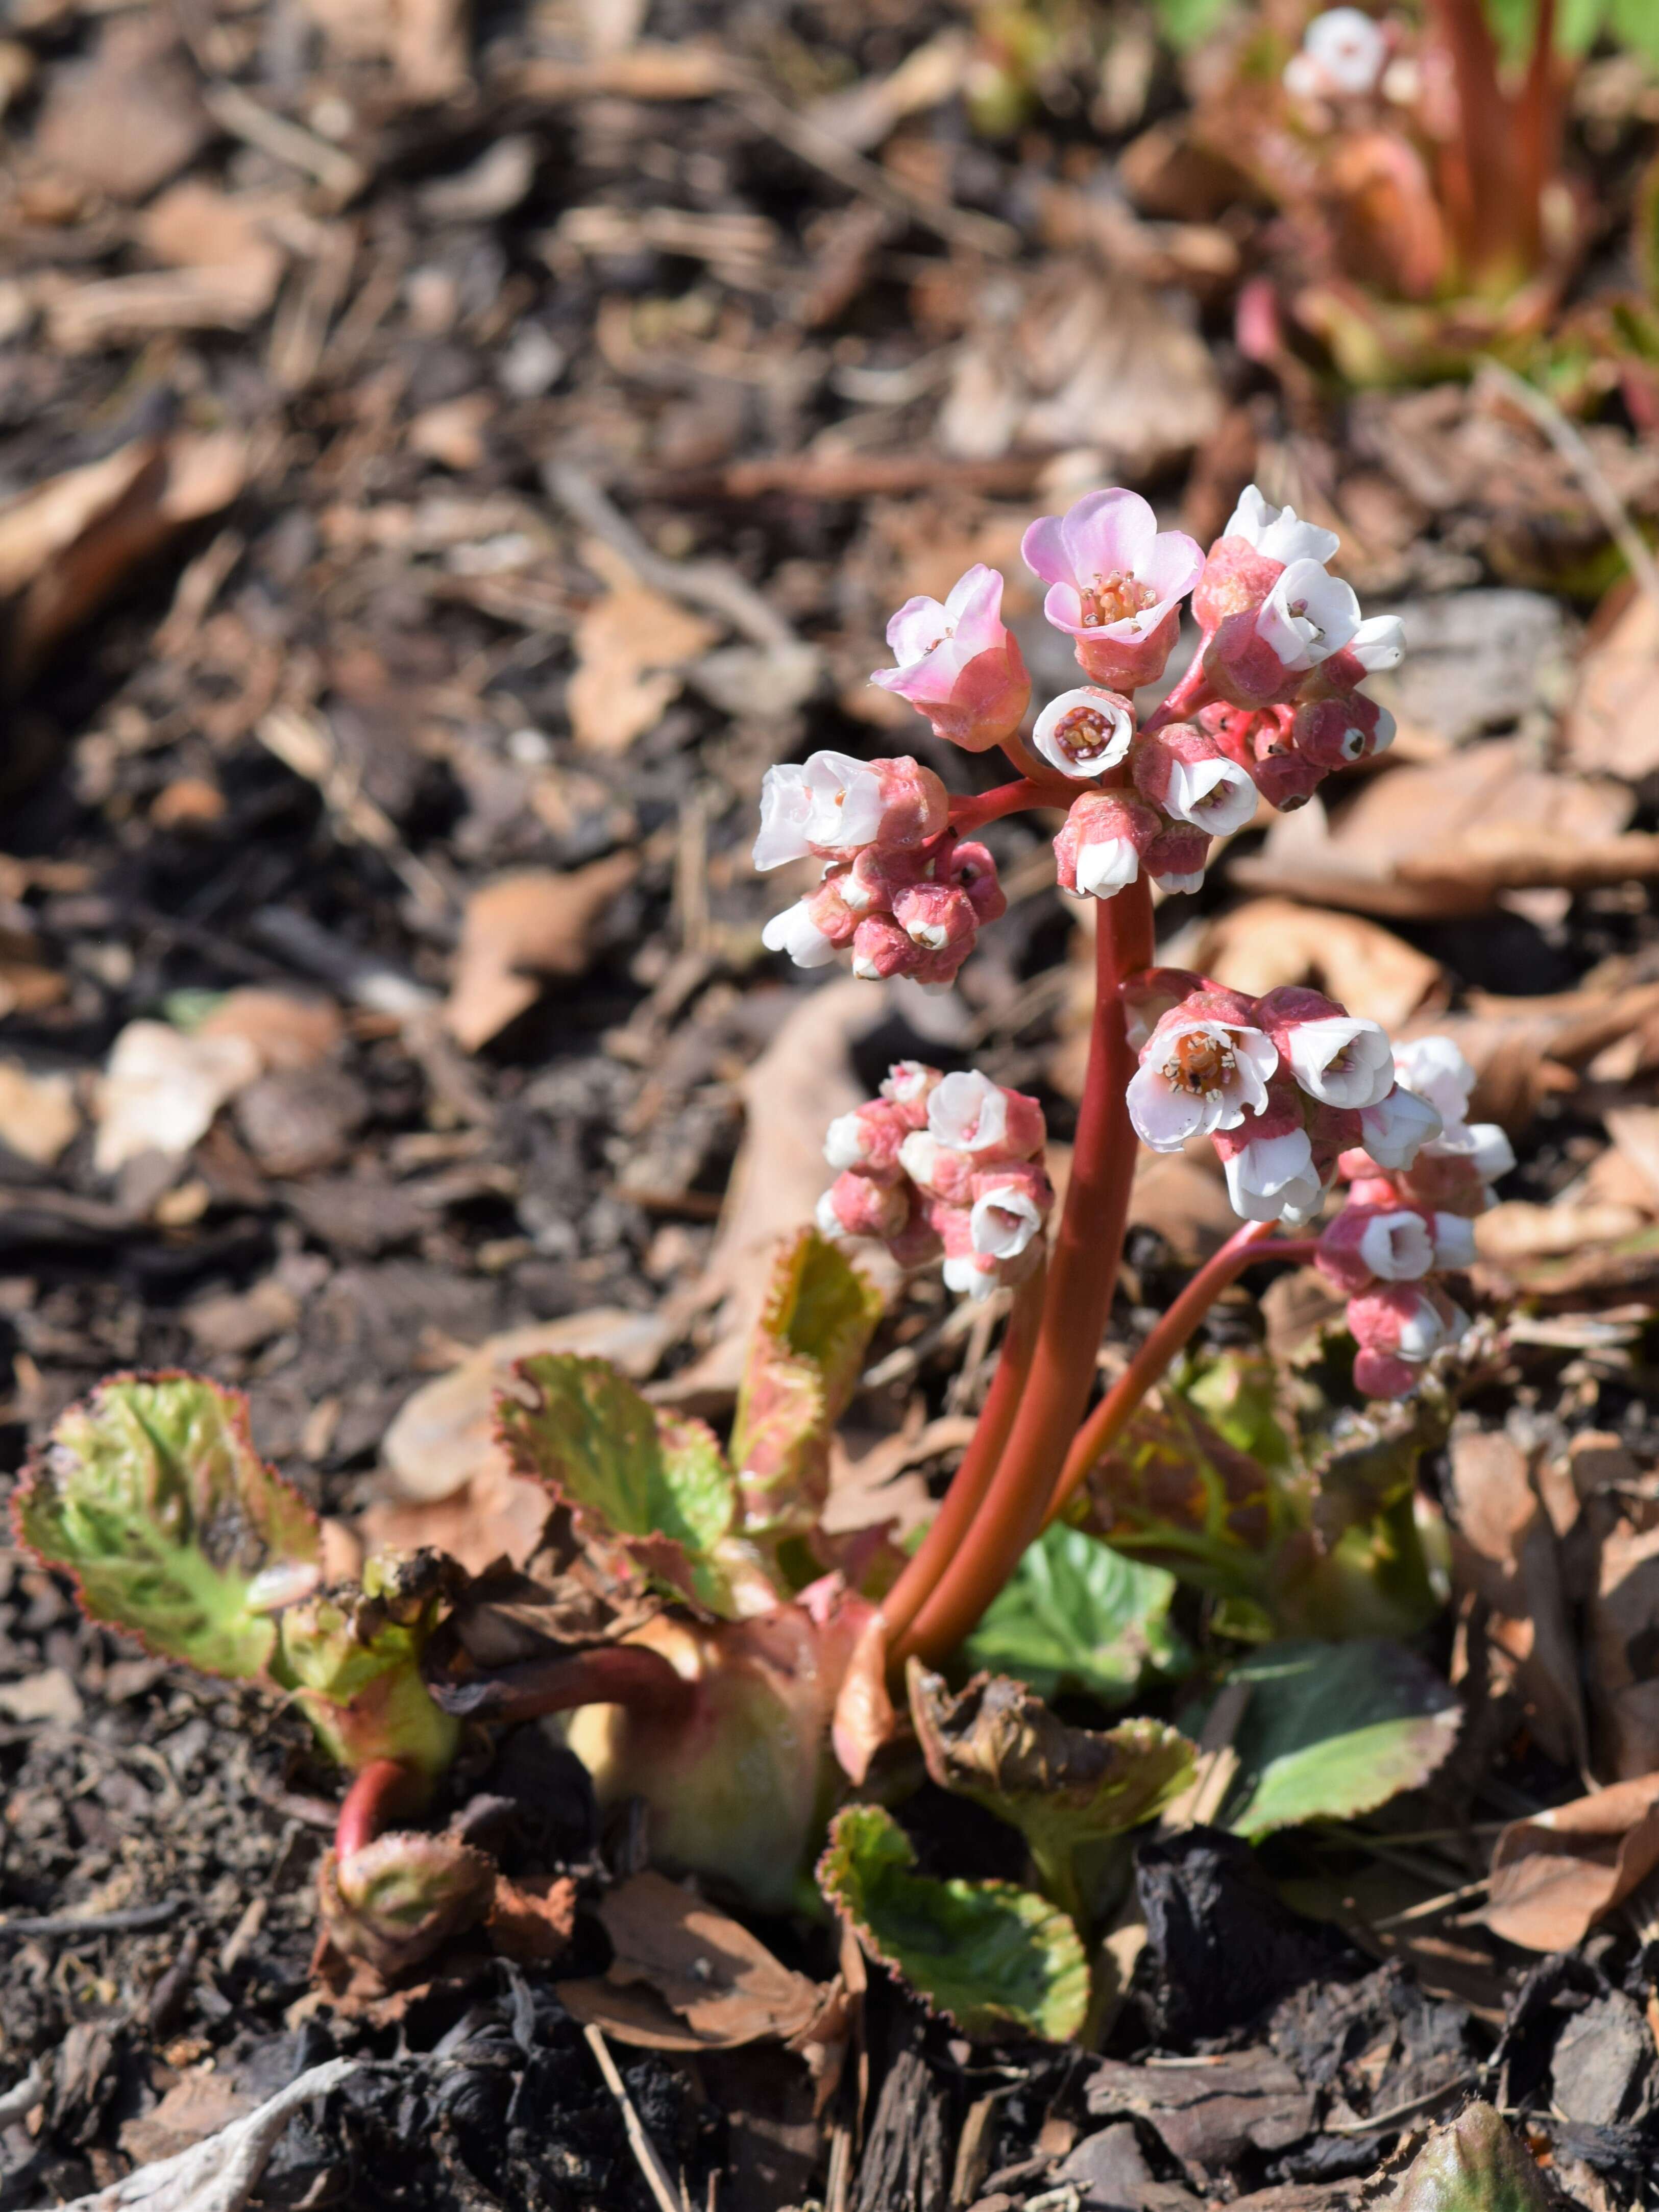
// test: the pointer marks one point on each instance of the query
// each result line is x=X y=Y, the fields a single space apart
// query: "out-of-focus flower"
x=959 y=664
x=1084 y=731
x=1115 y=583
x=1398 y=1126
x=1344 y=53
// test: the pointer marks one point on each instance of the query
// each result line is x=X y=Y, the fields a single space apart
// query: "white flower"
x=1196 y=1077
x=1379 y=642
x=1278 y=532
x=832 y=802
x=1003 y=1223
x=1217 y=795
x=1434 y=1068
x=1454 y=1241
x=1084 y=731
x=846 y=1143
x=1272 y=1179
x=1386 y=731
x=1397 y=1127
x=1397 y=1246
x=1105 y=868
x=1190 y=880
x=1424 y=1332
x=1483 y=1144
x=1308 y=615
x=1343 y=50
x=964 y=1273
x=794 y=931
x=967 y=1112
x=824 y=1216
x=1341 y=1060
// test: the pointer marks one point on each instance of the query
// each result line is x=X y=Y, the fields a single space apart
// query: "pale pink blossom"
x=959 y=664
x=1279 y=533
x=1115 y=582
x=971 y=1114
x=832 y=804
x=1184 y=771
x=794 y=931
x=1336 y=1057
x=862 y=1205
x=1437 y=1071
x=1196 y=1076
x=1395 y=1129
x=1174 y=859
x=1338 y=731
x=1344 y=53
x=1390 y=1244
x=1084 y=731
x=1308 y=615
x=1099 y=848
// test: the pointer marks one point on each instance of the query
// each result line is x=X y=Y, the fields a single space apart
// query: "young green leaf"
x=651 y=1485
x=1475 y=2164
x=352 y=1657
x=393 y=1902
x=1077 y=1614
x=1334 y=1729
x=1174 y=1490
x=804 y=1360
x=995 y=1959
x=150 y=1493
x=1063 y=1788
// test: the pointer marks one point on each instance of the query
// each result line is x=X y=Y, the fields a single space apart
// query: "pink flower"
x=972 y=867
x=1197 y=1074
x=938 y=917
x=1366 y=1244
x=1380 y=1375
x=1115 y=583
x=1398 y=1126
x=1410 y=1321
x=908 y=1085
x=1174 y=859
x=971 y=1114
x=795 y=932
x=1336 y=732
x=1184 y=771
x=1343 y=55
x=868 y=1138
x=957 y=663
x=1100 y=848
x=861 y=1206
x=1269 y=1162
x=1009 y=1206
x=1085 y=732
x=1308 y=615
x=1251 y=554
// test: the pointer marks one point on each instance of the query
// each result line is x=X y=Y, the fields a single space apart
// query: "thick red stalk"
x=1166 y=1338
x=1082 y=1272
x=973 y=1477
x=1538 y=124
x=385 y=1790
x=610 y=1674
x=982 y=806
x=1485 y=180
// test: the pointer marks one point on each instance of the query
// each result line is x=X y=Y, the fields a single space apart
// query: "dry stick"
x=1082 y=1274
x=1569 y=442
x=1106 y=1422
x=973 y=1477
x=657 y=2178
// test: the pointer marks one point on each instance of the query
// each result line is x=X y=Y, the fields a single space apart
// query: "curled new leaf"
x=150 y=1493
x=1063 y=1788
x=804 y=1360
x=352 y=1656
x=994 y=1958
x=1475 y=2164
x=649 y=1485
x=394 y=1901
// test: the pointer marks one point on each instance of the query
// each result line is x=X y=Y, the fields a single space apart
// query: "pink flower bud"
x=1116 y=581
x=1380 y=1375
x=830 y=911
x=1242 y=667
x=858 y=1206
x=1010 y=1207
x=1402 y=1318
x=867 y=1139
x=940 y=1171
x=1184 y=771
x=915 y=806
x=1100 y=847
x=940 y=919
x=1365 y=1245
x=971 y=1114
x=1379 y=642
x=1174 y=859
x=972 y=868
x=877 y=875
x=1336 y=732
x=1085 y=732
x=1244 y=733
x=1447 y=1183
x=910 y=1084
x=1251 y=554
x=1335 y=1057
x=881 y=949
x=1147 y=996
x=1286 y=781
x=959 y=664
x=1398 y=1126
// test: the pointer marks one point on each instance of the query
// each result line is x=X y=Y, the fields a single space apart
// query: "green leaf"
x=1175 y=1491
x=1334 y=1729
x=150 y=1493
x=651 y=1484
x=393 y=1902
x=1475 y=2165
x=1635 y=23
x=1076 y=1613
x=988 y=1955
x=804 y=1360
x=352 y=1657
x=1184 y=22
x=1063 y=1788
x=1239 y=1393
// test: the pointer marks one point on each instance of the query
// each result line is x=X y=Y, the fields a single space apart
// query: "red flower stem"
x=1082 y=1272
x=1188 y=698
x=1500 y=232
x=979 y=1463
x=384 y=1790
x=610 y=1674
x=1538 y=125
x=1112 y=1415
x=982 y=806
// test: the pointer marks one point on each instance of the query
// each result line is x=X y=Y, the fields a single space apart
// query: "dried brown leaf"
x=1612 y=728
x=38 y=1112
x=1555 y=1876
x=129 y=119
x=520 y=928
x=1268 y=942
x=631 y=648
x=531 y=1920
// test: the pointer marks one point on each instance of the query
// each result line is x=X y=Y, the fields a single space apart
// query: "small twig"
x=657 y=2176
x=712 y=584
x=1570 y=443
x=1430 y=1906
x=125 y=1921
x=305 y=743
x=1387 y=2119
x=340 y=175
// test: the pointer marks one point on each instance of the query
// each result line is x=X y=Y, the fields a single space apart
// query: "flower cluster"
x=1407 y=1218
x=900 y=887
x=950 y=1164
